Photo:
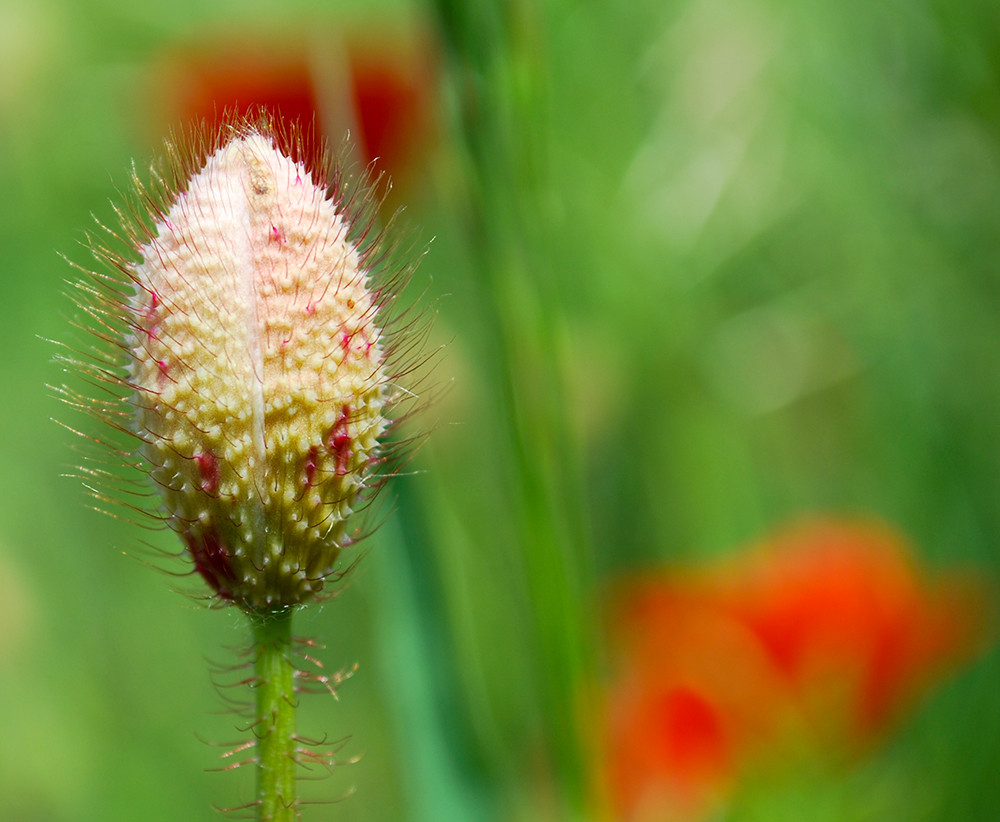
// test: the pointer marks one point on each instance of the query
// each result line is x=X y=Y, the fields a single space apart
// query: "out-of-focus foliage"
x=699 y=266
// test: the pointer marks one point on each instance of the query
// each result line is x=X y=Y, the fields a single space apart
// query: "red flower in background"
x=848 y=605
x=393 y=91
x=240 y=74
x=693 y=696
x=826 y=632
x=380 y=88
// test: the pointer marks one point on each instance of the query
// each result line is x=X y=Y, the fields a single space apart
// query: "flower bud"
x=256 y=370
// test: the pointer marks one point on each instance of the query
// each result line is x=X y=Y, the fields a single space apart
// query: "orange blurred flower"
x=822 y=635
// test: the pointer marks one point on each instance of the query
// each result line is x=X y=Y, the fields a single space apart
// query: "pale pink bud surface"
x=259 y=380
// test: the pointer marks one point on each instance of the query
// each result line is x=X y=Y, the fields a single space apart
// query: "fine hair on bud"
x=246 y=342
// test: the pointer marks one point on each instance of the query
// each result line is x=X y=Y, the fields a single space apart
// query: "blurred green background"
x=698 y=266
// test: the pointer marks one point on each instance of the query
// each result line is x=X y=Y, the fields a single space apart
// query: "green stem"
x=275 y=726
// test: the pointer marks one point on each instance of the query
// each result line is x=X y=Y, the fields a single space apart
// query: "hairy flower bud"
x=256 y=369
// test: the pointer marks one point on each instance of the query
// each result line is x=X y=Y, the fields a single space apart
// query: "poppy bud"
x=256 y=367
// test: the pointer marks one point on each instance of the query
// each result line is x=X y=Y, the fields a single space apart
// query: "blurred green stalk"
x=494 y=52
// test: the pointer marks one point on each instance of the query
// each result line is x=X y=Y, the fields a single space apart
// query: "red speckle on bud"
x=339 y=442
x=211 y=560
x=311 y=463
x=208 y=466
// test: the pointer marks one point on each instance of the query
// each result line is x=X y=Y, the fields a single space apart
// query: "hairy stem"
x=275 y=726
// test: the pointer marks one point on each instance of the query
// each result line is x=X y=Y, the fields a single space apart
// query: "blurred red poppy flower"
x=393 y=92
x=846 y=607
x=827 y=632
x=380 y=88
